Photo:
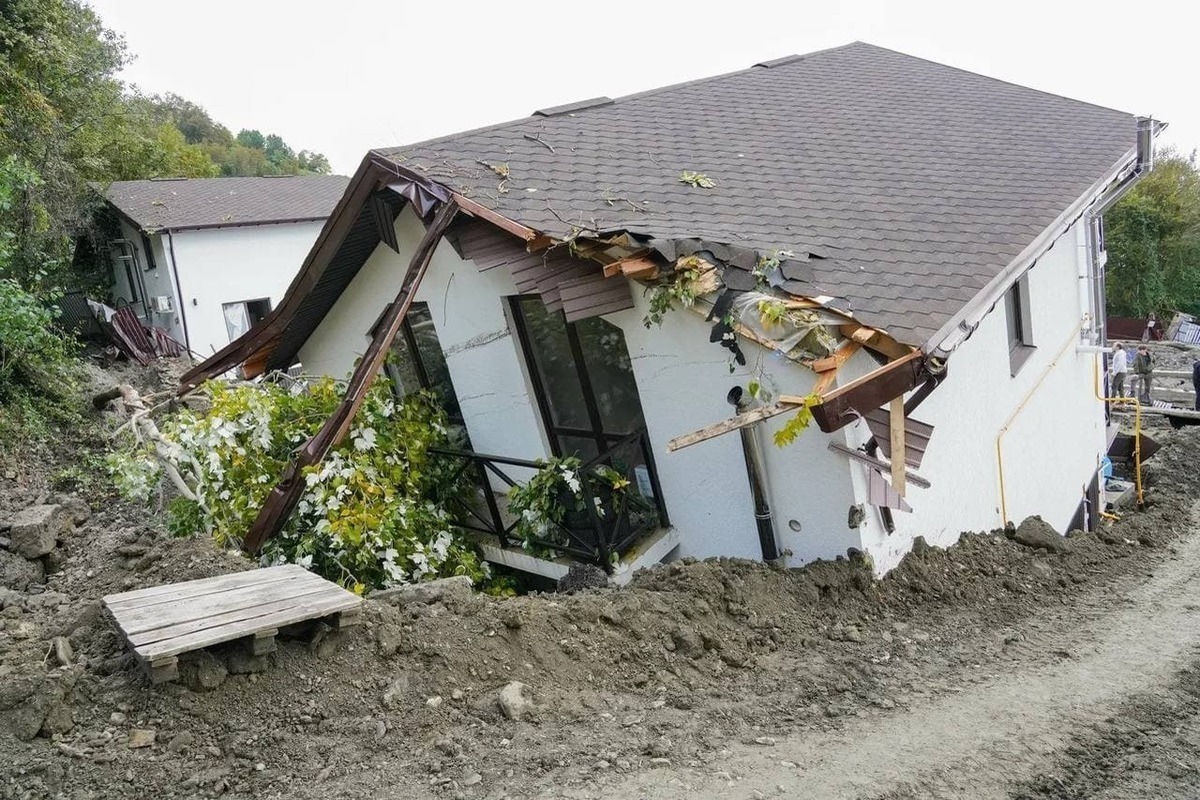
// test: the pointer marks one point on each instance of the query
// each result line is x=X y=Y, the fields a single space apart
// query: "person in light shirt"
x=1119 y=368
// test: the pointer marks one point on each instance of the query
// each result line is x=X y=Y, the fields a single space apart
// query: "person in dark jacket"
x=1143 y=370
x=1196 y=381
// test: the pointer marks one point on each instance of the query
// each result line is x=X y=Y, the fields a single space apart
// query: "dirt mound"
x=689 y=657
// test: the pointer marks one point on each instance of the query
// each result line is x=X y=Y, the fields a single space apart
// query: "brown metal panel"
x=594 y=295
x=485 y=244
x=916 y=436
x=882 y=493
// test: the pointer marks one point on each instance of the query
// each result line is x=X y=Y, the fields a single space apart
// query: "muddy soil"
x=987 y=670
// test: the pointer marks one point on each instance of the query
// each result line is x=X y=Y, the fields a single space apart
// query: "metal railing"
x=610 y=520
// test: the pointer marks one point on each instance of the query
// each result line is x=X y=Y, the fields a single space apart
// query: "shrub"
x=373 y=513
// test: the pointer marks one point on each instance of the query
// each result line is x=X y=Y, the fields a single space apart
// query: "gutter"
x=1102 y=194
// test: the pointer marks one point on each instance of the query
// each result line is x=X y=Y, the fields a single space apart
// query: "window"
x=241 y=317
x=416 y=361
x=1017 y=320
x=146 y=246
x=127 y=261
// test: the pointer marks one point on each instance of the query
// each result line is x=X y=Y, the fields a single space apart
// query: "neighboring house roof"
x=189 y=203
x=912 y=184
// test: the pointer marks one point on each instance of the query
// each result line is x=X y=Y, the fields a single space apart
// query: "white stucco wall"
x=1052 y=446
x=155 y=282
x=683 y=380
x=228 y=265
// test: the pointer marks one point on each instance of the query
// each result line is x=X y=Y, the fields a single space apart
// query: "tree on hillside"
x=66 y=119
x=1153 y=240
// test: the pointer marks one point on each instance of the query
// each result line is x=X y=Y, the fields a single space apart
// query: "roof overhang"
x=1099 y=196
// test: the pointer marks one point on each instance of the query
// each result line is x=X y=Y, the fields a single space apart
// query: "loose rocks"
x=445 y=590
x=36 y=530
x=515 y=700
x=201 y=671
x=1035 y=533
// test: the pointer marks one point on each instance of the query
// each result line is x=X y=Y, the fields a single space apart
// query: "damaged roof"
x=907 y=185
x=190 y=203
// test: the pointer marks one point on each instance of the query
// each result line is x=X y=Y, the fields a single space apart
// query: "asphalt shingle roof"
x=915 y=182
x=180 y=204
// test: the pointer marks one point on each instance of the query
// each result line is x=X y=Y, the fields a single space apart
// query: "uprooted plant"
x=374 y=512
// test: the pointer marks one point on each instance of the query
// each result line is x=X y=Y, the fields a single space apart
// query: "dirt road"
x=1109 y=665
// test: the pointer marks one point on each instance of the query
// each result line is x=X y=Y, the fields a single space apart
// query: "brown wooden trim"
x=283 y=498
x=504 y=223
x=839 y=357
x=875 y=339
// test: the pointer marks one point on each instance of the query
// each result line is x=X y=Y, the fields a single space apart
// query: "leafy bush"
x=556 y=492
x=373 y=513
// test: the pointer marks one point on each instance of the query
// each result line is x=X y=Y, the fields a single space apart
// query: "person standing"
x=1151 y=331
x=1196 y=382
x=1120 y=368
x=1143 y=369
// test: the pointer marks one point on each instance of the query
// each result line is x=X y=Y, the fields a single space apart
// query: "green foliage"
x=373 y=512
x=798 y=424
x=696 y=179
x=67 y=120
x=554 y=494
x=681 y=286
x=1153 y=241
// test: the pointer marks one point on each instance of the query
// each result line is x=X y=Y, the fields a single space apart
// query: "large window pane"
x=547 y=334
x=610 y=374
x=433 y=360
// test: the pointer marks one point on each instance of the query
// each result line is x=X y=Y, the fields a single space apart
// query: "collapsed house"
x=910 y=253
x=203 y=259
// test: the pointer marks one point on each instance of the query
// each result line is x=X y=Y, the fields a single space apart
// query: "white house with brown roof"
x=912 y=252
x=206 y=258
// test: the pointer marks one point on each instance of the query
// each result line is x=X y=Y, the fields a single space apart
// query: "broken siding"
x=548 y=273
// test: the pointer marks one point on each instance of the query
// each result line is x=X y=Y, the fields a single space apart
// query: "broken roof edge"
x=955 y=331
x=375 y=172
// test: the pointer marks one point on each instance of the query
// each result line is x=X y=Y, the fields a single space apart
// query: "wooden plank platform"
x=161 y=622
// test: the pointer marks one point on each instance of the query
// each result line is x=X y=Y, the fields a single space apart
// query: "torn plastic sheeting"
x=800 y=332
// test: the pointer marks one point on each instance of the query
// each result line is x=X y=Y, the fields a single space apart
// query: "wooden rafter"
x=282 y=499
x=874 y=339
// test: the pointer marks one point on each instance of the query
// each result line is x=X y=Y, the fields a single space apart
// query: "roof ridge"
x=396 y=150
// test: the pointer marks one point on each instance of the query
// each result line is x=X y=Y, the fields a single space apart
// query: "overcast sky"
x=343 y=77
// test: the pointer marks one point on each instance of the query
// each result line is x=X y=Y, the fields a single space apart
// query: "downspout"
x=1146 y=130
x=755 y=471
x=187 y=341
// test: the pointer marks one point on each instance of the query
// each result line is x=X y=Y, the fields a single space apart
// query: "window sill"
x=1018 y=356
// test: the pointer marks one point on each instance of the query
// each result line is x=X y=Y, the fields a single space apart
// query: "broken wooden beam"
x=838 y=358
x=844 y=404
x=879 y=464
x=897 y=443
x=875 y=339
x=282 y=499
x=733 y=423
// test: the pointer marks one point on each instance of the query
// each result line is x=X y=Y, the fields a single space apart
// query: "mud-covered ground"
x=992 y=669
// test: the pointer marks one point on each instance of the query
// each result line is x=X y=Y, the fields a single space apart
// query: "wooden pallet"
x=161 y=622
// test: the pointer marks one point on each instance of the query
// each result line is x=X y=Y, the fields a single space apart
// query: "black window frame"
x=602 y=438
x=409 y=337
x=150 y=262
x=1018 y=324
